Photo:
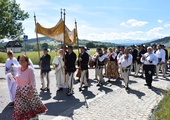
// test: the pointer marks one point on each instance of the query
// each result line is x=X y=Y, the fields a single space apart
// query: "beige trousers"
x=70 y=81
x=43 y=81
x=99 y=73
x=83 y=78
x=162 y=67
x=125 y=73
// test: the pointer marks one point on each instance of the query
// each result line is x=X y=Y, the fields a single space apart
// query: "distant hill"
x=128 y=42
x=165 y=41
x=81 y=41
x=111 y=43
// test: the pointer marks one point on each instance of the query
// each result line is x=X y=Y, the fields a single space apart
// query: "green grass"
x=34 y=55
x=163 y=110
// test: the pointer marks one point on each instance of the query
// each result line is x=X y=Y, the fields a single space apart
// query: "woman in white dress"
x=11 y=69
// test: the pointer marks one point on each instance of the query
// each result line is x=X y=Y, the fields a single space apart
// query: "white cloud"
x=97 y=34
x=159 y=21
x=86 y=29
x=133 y=23
x=156 y=32
x=167 y=25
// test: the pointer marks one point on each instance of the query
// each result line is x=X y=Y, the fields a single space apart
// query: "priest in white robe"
x=58 y=64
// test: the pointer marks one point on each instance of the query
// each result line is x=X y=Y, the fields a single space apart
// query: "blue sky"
x=102 y=20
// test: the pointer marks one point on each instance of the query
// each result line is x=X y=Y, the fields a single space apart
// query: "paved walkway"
x=135 y=104
x=111 y=101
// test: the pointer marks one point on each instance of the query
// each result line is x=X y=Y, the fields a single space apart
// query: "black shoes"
x=141 y=76
x=149 y=86
x=69 y=94
x=126 y=88
x=80 y=89
x=45 y=89
x=60 y=89
x=11 y=104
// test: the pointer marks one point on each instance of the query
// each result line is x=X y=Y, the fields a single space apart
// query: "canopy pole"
x=64 y=44
x=38 y=47
x=77 y=37
x=61 y=13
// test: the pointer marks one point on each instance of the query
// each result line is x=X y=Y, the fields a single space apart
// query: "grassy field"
x=34 y=55
x=163 y=110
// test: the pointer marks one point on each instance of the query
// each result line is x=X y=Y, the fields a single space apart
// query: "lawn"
x=34 y=55
x=163 y=110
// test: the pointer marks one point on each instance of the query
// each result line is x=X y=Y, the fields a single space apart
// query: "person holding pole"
x=70 y=68
x=45 y=69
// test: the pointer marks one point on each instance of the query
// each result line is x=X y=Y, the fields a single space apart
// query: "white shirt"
x=88 y=52
x=94 y=56
x=101 y=58
x=106 y=54
x=114 y=55
x=119 y=55
x=125 y=62
x=160 y=53
x=149 y=57
x=8 y=65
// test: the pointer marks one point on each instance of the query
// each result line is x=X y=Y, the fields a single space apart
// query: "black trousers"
x=149 y=71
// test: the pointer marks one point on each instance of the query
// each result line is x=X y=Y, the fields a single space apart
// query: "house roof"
x=13 y=44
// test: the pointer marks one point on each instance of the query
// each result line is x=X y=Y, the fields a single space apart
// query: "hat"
x=153 y=44
x=45 y=49
x=133 y=45
x=87 y=48
x=141 y=45
x=71 y=47
x=83 y=47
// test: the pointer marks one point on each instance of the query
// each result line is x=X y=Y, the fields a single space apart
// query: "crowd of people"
x=112 y=63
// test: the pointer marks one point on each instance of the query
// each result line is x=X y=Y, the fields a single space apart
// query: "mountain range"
x=127 y=42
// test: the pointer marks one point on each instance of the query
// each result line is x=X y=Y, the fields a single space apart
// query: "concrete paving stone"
x=117 y=104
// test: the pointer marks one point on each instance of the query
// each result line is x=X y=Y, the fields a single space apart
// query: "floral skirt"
x=25 y=107
x=112 y=69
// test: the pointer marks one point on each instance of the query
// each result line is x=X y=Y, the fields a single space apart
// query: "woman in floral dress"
x=27 y=103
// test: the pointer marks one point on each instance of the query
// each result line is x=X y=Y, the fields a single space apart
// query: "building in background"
x=15 y=46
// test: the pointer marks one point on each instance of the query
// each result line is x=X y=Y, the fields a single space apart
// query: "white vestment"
x=59 y=71
x=12 y=65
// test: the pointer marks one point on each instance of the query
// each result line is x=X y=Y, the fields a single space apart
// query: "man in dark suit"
x=70 y=59
x=134 y=52
x=139 y=64
x=45 y=69
x=83 y=60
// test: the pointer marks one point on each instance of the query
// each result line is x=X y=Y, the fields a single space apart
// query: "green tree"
x=11 y=19
x=44 y=45
x=90 y=45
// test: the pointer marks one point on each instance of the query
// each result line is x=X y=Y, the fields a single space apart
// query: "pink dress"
x=24 y=106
